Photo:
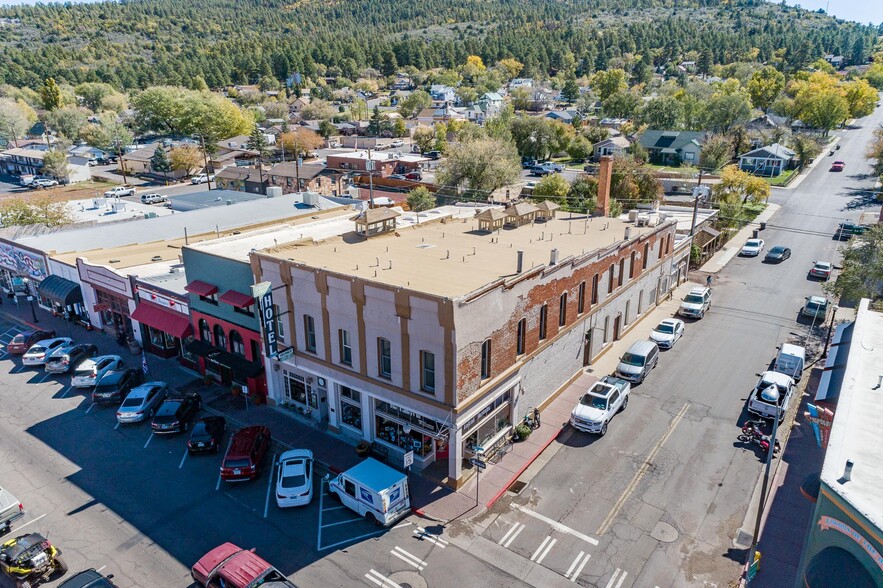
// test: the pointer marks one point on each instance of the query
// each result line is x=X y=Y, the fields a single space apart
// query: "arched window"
x=220 y=337
x=205 y=334
x=236 y=344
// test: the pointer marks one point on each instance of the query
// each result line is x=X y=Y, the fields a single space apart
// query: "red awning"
x=237 y=299
x=163 y=320
x=201 y=288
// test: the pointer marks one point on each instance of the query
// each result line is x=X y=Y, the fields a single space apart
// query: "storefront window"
x=205 y=333
x=161 y=339
x=490 y=420
x=236 y=344
x=297 y=390
x=393 y=432
x=220 y=337
x=350 y=407
x=406 y=416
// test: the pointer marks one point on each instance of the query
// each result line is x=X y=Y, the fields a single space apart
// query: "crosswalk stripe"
x=422 y=533
x=540 y=548
x=509 y=532
x=514 y=535
x=621 y=579
x=546 y=552
x=574 y=564
x=381 y=580
x=579 y=569
x=408 y=558
x=615 y=576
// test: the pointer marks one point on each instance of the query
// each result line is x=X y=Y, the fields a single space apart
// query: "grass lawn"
x=781 y=179
x=683 y=169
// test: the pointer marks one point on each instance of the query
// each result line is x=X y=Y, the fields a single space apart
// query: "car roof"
x=86 y=579
x=818 y=299
x=776 y=378
x=778 y=248
x=142 y=389
x=699 y=290
x=641 y=347
x=670 y=321
x=823 y=263
x=296 y=454
x=243 y=439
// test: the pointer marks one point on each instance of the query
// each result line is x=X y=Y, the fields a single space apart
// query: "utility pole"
x=369 y=166
x=752 y=552
x=696 y=205
x=208 y=177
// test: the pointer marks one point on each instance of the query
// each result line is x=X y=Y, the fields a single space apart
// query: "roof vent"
x=114 y=261
x=156 y=258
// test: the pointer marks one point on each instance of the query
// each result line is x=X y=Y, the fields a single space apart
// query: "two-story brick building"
x=304 y=177
x=384 y=164
x=436 y=338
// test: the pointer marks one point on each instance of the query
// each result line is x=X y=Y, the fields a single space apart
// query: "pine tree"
x=50 y=94
x=257 y=141
x=376 y=122
x=160 y=163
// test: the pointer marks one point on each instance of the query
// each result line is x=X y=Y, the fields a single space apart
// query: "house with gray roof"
x=770 y=160
x=673 y=147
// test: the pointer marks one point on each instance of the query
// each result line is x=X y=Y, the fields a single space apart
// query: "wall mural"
x=23 y=262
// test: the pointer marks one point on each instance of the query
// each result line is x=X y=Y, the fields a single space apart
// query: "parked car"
x=772 y=390
x=141 y=403
x=397 y=143
x=838 y=166
x=821 y=270
x=229 y=566
x=27 y=339
x=176 y=414
x=777 y=254
x=11 y=509
x=41 y=350
x=396 y=177
x=599 y=404
x=91 y=370
x=90 y=578
x=433 y=155
x=816 y=307
x=540 y=170
x=65 y=359
x=202 y=178
x=414 y=176
x=696 y=303
x=44 y=183
x=529 y=163
x=752 y=248
x=153 y=198
x=636 y=363
x=667 y=333
x=115 y=385
x=294 y=484
x=119 y=192
x=246 y=452
x=845 y=231
x=206 y=435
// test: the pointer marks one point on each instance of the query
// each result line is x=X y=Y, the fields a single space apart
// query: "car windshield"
x=199 y=430
x=693 y=299
x=18 y=339
x=236 y=463
x=37 y=349
x=665 y=328
x=292 y=480
x=816 y=305
x=632 y=359
x=777 y=250
x=752 y=244
x=106 y=386
x=598 y=402
x=823 y=266
x=132 y=402
x=85 y=370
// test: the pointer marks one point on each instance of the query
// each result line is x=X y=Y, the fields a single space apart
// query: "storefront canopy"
x=60 y=290
x=163 y=320
x=201 y=288
x=237 y=299
x=241 y=367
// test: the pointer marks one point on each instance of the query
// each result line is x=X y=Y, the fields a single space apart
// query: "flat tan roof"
x=454 y=258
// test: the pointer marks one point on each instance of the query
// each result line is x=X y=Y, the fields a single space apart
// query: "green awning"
x=60 y=290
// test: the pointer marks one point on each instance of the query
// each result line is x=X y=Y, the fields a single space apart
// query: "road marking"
x=408 y=558
x=399 y=526
x=575 y=570
x=183 y=459
x=29 y=522
x=148 y=440
x=615 y=575
x=509 y=532
x=101 y=568
x=381 y=580
x=422 y=533
x=67 y=391
x=352 y=539
x=45 y=377
x=321 y=501
x=545 y=551
x=218 y=485
x=347 y=522
x=556 y=525
x=342 y=507
x=514 y=535
x=91 y=406
x=641 y=471
x=269 y=485
x=117 y=426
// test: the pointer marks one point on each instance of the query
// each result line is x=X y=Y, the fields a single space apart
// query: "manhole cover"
x=407 y=580
x=517 y=487
x=664 y=532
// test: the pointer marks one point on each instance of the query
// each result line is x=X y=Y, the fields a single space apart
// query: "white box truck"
x=790 y=360
x=374 y=490
x=10 y=510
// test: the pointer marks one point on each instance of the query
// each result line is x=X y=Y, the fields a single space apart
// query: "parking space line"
x=556 y=525
x=148 y=440
x=66 y=391
x=408 y=558
x=614 y=576
x=399 y=526
x=514 y=535
x=576 y=567
x=117 y=426
x=45 y=377
x=422 y=533
x=17 y=527
x=183 y=459
x=218 y=485
x=270 y=485
x=338 y=508
x=347 y=522
x=543 y=550
x=381 y=580
x=91 y=406
x=101 y=568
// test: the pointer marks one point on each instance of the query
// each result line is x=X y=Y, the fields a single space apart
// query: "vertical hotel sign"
x=263 y=291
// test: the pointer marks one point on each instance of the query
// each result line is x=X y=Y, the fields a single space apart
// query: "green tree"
x=186 y=158
x=663 y=112
x=419 y=200
x=93 y=93
x=632 y=182
x=110 y=136
x=268 y=83
x=68 y=121
x=742 y=185
x=534 y=137
x=716 y=152
x=42 y=210
x=327 y=129
x=874 y=75
x=512 y=67
x=55 y=164
x=552 y=186
x=318 y=110
x=521 y=98
x=862 y=264
x=481 y=165
x=414 y=103
x=424 y=138
x=257 y=141
x=805 y=148
x=399 y=129
x=583 y=194
x=724 y=111
x=621 y=104
x=16 y=117
x=874 y=151
x=50 y=94
x=180 y=111
x=376 y=122
x=570 y=91
x=765 y=86
x=299 y=142
x=825 y=110
x=579 y=149
x=159 y=163
x=607 y=83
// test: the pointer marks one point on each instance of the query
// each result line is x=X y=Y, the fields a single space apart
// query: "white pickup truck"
x=599 y=404
x=10 y=510
x=771 y=390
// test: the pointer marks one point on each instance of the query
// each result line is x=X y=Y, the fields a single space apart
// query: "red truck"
x=229 y=566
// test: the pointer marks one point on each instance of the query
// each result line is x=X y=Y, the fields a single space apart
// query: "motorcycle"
x=31 y=559
x=751 y=433
x=532 y=419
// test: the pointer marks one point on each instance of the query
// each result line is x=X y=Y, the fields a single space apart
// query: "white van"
x=790 y=360
x=374 y=490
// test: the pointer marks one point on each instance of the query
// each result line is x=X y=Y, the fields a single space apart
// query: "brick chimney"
x=605 y=172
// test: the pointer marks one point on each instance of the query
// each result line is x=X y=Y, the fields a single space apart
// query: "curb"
x=16 y=319
x=532 y=459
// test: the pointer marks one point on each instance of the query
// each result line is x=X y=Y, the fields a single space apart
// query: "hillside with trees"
x=214 y=43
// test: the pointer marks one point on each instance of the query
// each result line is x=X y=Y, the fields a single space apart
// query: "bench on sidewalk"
x=379 y=451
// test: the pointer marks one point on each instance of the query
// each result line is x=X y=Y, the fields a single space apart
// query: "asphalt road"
x=666 y=491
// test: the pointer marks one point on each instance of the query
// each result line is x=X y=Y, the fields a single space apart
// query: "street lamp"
x=771 y=394
x=27 y=283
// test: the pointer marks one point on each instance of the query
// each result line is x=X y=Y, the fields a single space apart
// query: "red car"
x=246 y=452
x=26 y=339
x=233 y=567
x=838 y=166
x=414 y=175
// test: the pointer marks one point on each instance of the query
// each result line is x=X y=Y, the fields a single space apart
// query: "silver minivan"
x=636 y=363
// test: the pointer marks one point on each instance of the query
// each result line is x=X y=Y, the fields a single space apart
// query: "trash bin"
x=762 y=226
x=754 y=233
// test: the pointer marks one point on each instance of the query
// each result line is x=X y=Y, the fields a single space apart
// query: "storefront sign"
x=264 y=293
x=409 y=459
x=821 y=420
x=24 y=263
x=826 y=522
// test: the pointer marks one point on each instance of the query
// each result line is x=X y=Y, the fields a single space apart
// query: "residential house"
x=28 y=160
x=672 y=147
x=442 y=95
x=565 y=116
x=235 y=151
x=304 y=177
x=243 y=179
x=402 y=82
x=615 y=145
x=87 y=151
x=493 y=99
x=835 y=60
x=521 y=83
x=770 y=160
x=137 y=163
x=430 y=116
x=384 y=164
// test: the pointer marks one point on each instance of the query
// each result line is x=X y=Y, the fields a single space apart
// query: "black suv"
x=67 y=358
x=116 y=385
x=88 y=579
x=207 y=434
x=176 y=414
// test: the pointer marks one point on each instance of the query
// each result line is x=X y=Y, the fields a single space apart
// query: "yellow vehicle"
x=31 y=559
